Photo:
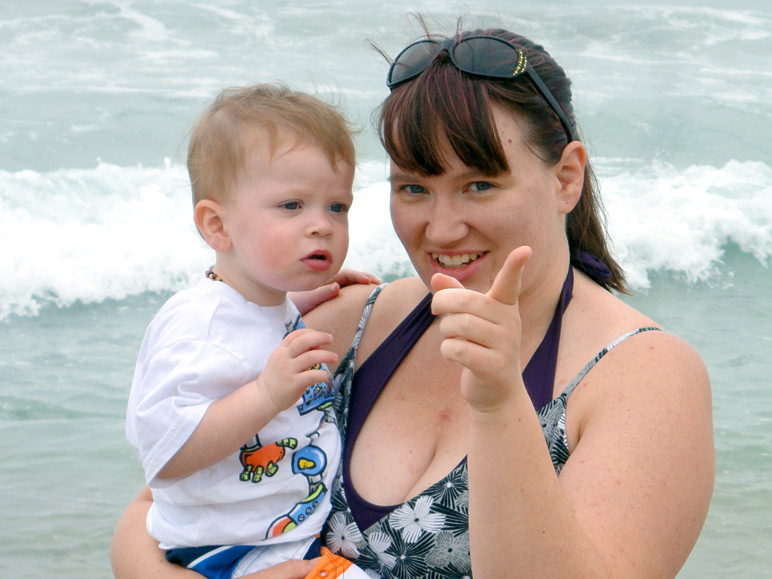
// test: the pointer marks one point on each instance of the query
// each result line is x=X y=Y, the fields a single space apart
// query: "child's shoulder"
x=183 y=315
x=189 y=299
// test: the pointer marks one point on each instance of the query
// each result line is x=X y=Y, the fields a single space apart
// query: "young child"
x=229 y=409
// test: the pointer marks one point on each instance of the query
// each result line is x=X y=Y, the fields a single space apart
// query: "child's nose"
x=319 y=225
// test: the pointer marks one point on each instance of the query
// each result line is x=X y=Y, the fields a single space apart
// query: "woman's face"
x=464 y=224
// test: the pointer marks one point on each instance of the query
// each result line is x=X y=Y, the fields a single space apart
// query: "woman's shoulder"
x=595 y=317
x=649 y=369
x=393 y=305
x=398 y=298
x=340 y=316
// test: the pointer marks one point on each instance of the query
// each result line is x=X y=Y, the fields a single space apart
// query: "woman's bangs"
x=441 y=110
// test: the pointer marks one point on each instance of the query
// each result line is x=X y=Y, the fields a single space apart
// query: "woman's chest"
x=416 y=432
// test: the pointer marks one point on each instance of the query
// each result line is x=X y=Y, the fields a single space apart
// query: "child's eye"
x=291 y=205
x=415 y=189
x=338 y=208
x=480 y=186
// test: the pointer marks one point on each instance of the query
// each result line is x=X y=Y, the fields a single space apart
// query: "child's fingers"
x=311 y=359
x=307 y=301
x=311 y=377
x=350 y=276
x=305 y=339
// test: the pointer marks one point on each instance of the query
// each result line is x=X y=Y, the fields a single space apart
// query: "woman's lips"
x=462 y=266
x=455 y=261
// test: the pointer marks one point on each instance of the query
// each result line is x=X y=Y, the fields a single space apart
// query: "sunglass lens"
x=412 y=61
x=488 y=56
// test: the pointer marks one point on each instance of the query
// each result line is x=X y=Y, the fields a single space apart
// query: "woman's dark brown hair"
x=445 y=105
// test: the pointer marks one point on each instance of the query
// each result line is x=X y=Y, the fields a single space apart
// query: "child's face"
x=287 y=221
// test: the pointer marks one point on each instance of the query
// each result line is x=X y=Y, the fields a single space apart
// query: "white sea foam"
x=90 y=235
x=109 y=232
x=662 y=219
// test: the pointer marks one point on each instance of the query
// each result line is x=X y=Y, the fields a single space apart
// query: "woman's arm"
x=135 y=555
x=632 y=498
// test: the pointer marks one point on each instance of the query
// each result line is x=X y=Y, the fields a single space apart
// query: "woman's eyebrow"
x=398 y=176
x=471 y=174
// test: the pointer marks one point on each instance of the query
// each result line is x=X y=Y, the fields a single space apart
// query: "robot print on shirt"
x=308 y=461
x=259 y=460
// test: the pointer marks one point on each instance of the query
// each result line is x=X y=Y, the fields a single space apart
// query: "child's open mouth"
x=318 y=260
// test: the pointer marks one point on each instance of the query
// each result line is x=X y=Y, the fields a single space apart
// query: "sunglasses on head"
x=480 y=56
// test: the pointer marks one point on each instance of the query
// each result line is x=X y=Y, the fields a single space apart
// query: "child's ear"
x=209 y=218
x=570 y=174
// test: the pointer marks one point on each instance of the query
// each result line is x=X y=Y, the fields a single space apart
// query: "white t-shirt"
x=206 y=342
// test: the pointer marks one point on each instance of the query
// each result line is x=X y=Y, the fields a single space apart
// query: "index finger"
x=506 y=286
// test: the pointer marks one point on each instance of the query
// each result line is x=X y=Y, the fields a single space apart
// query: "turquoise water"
x=675 y=104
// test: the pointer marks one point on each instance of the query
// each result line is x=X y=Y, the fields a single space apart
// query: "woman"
x=445 y=470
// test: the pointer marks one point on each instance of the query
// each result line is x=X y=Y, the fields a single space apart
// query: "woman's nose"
x=446 y=224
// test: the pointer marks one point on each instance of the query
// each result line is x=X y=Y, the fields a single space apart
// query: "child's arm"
x=234 y=419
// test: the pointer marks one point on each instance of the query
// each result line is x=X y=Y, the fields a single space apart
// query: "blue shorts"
x=221 y=562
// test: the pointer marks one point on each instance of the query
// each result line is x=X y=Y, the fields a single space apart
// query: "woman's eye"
x=480 y=186
x=291 y=205
x=415 y=189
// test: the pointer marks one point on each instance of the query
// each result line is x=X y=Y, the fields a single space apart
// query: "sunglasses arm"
x=545 y=92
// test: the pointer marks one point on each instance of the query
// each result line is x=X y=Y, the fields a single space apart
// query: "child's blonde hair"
x=228 y=128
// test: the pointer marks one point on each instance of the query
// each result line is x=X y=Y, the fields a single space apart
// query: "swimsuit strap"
x=367 y=384
x=374 y=373
x=539 y=373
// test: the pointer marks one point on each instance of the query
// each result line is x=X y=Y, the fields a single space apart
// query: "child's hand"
x=290 y=367
x=308 y=300
x=350 y=276
x=482 y=333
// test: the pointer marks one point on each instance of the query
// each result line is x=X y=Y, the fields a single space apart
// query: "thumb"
x=308 y=300
x=440 y=281
x=506 y=286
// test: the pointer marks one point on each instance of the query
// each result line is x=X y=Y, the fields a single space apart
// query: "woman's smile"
x=456 y=260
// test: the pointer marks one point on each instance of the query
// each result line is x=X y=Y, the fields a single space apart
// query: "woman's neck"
x=539 y=299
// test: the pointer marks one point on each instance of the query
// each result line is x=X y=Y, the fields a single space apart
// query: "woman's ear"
x=570 y=174
x=210 y=221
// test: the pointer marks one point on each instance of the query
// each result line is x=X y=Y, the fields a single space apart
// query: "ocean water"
x=97 y=97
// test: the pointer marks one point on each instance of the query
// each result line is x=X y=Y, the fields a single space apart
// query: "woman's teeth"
x=449 y=261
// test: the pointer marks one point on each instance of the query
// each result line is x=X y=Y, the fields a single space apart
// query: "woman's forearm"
x=134 y=554
x=520 y=522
